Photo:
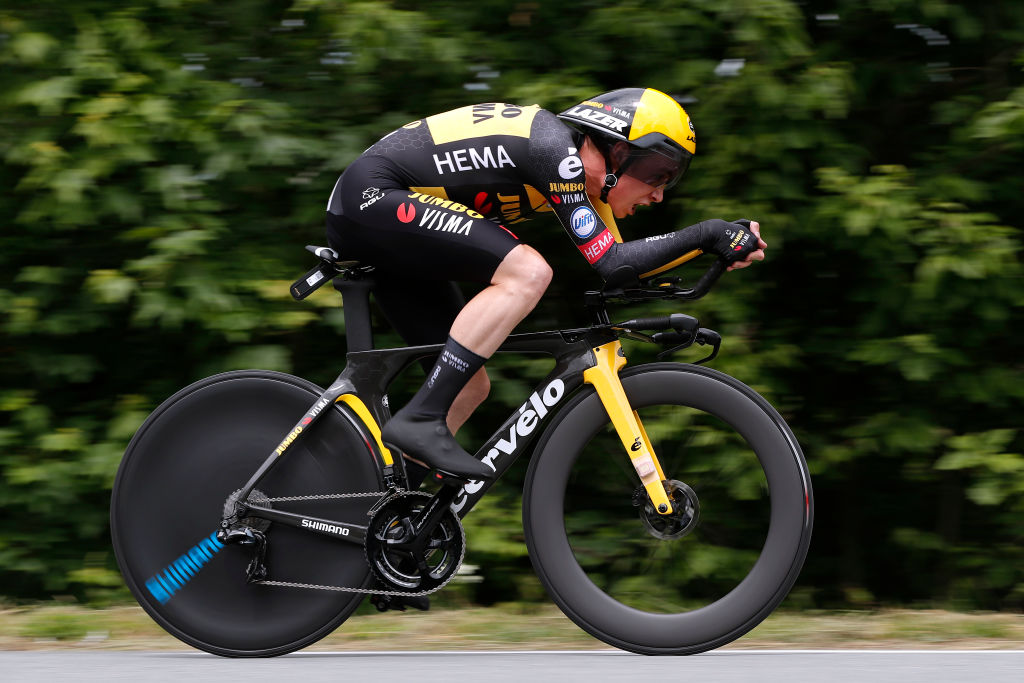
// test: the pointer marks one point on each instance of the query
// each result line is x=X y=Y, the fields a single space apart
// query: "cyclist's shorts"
x=372 y=217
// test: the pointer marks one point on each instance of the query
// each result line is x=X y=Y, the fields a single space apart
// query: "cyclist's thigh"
x=421 y=311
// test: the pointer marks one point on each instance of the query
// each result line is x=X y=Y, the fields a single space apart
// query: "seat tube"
x=604 y=376
x=356 y=302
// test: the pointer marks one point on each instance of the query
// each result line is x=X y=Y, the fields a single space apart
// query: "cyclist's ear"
x=619 y=153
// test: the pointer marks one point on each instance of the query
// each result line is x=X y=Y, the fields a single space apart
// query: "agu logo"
x=583 y=222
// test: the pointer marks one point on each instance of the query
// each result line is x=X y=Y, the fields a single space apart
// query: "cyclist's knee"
x=525 y=270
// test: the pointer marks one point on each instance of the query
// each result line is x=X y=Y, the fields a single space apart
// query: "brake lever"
x=704 y=337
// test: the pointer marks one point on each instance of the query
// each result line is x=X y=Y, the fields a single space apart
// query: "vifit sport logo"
x=530 y=415
x=583 y=222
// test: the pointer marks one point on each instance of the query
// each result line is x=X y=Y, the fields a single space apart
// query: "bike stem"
x=604 y=376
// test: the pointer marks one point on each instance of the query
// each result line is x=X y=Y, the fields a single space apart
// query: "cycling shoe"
x=427 y=438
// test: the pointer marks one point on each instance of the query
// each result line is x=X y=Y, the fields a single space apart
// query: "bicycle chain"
x=343 y=589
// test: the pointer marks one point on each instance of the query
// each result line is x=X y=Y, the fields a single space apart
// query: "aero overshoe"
x=427 y=439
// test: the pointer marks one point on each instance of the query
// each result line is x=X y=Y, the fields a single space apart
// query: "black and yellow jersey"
x=448 y=192
x=504 y=162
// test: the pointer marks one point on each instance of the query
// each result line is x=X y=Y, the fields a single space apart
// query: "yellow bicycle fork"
x=604 y=376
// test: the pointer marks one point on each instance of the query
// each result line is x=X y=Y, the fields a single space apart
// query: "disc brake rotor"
x=398 y=561
x=678 y=523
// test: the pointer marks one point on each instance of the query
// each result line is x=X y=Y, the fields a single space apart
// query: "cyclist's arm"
x=652 y=255
x=557 y=171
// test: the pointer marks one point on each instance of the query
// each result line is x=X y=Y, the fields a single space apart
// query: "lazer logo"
x=470 y=159
x=530 y=415
x=329 y=528
x=599 y=117
x=168 y=582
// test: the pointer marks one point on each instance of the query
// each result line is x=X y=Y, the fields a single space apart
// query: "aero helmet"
x=658 y=130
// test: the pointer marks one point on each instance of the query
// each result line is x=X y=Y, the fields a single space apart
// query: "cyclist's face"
x=630 y=193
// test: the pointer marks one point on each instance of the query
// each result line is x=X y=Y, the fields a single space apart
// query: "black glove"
x=732 y=241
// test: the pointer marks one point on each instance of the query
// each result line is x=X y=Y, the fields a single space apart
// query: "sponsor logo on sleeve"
x=571 y=166
x=583 y=222
x=597 y=247
x=565 y=187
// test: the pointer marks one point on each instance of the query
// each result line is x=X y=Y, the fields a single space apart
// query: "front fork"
x=604 y=376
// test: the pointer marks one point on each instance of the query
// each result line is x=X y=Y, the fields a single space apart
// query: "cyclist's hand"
x=755 y=255
x=739 y=242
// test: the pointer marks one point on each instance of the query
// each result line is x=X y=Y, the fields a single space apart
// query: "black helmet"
x=657 y=129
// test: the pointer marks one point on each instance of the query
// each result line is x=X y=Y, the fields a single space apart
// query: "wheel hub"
x=233 y=507
x=678 y=523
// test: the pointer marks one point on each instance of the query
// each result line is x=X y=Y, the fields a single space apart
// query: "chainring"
x=405 y=569
x=678 y=523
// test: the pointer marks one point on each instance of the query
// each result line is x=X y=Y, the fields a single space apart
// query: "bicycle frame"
x=590 y=355
x=581 y=356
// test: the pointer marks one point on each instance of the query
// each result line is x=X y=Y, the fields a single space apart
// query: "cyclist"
x=437 y=200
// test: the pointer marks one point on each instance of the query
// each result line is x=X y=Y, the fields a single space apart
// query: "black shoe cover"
x=427 y=439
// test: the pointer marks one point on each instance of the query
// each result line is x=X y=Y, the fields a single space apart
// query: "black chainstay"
x=383 y=497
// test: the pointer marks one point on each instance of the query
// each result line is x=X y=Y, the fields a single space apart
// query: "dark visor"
x=654 y=168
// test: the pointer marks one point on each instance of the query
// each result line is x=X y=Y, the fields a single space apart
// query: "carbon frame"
x=367 y=375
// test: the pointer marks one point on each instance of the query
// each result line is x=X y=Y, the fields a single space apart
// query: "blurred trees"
x=164 y=162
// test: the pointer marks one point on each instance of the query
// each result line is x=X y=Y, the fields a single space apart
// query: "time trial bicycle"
x=667 y=507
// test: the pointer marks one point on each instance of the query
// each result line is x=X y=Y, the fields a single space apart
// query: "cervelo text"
x=530 y=415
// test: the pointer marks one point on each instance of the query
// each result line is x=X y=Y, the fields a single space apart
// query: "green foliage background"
x=164 y=162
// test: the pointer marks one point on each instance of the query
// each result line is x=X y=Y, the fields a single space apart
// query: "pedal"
x=400 y=603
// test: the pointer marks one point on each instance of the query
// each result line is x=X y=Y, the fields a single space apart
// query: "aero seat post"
x=356 y=302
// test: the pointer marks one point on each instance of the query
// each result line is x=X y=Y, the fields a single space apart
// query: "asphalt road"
x=722 y=666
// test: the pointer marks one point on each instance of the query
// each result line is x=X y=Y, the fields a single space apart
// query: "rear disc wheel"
x=179 y=474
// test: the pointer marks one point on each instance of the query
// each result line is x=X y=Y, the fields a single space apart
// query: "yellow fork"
x=604 y=376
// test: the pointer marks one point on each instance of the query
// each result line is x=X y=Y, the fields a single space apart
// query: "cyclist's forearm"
x=653 y=255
